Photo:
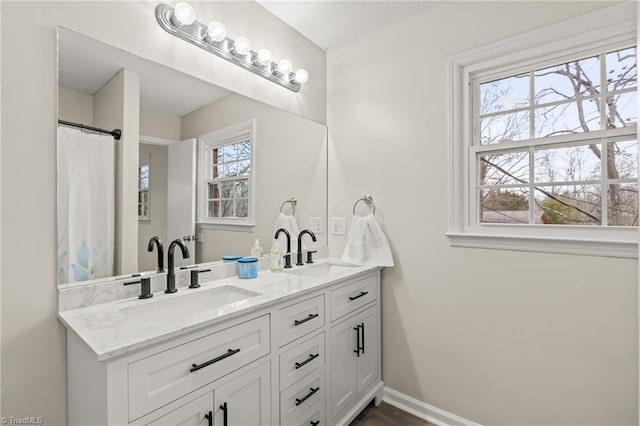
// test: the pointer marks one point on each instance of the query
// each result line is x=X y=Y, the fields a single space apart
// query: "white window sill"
x=234 y=227
x=624 y=249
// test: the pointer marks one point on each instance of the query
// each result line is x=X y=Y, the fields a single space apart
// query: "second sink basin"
x=324 y=270
x=176 y=306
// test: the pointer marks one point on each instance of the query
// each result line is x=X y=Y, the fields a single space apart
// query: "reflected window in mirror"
x=143 y=188
x=225 y=178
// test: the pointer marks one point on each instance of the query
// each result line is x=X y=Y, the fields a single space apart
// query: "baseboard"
x=423 y=410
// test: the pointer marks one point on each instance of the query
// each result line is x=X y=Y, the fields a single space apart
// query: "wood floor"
x=386 y=415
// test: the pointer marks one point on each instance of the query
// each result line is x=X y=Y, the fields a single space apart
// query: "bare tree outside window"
x=590 y=176
x=228 y=169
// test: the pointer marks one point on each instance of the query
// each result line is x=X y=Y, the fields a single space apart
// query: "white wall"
x=498 y=337
x=157 y=224
x=291 y=160
x=116 y=105
x=75 y=106
x=165 y=126
x=159 y=124
x=33 y=342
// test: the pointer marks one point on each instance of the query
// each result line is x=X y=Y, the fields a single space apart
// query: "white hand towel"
x=366 y=243
x=290 y=224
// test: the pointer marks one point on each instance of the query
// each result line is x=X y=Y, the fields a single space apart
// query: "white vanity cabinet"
x=354 y=357
x=307 y=360
x=242 y=401
x=193 y=413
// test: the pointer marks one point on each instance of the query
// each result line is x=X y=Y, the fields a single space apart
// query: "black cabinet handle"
x=225 y=414
x=209 y=417
x=307 y=396
x=316 y=423
x=362 y=293
x=306 y=361
x=357 y=350
x=196 y=367
x=309 y=318
x=362 y=328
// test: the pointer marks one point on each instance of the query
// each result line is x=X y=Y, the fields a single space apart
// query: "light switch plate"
x=200 y=237
x=338 y=226
x=317 y=225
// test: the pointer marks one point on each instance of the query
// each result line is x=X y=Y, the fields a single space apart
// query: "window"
x=547 y=156
x=225 y=177
x=143 y=189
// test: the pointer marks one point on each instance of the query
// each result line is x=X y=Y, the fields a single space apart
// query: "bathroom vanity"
x=301 y=347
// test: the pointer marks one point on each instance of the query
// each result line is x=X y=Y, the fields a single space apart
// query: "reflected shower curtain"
x=86 y=205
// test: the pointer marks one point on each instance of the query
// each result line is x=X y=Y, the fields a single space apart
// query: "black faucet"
x=287 y=256
x=303 y=232
x=171 y=275
x=159 y=249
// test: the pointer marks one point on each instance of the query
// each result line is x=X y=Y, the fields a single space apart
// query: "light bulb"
x=264 y=57
x=302 y=76
x=284 y=66
x=242 y=46
x=184 y=14
x=216 y=31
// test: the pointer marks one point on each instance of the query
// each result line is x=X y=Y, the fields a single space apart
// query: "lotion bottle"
x=256 y=250
x=276 y=260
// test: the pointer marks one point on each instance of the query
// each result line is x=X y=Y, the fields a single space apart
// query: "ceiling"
x=332 y=24
x=86 y=65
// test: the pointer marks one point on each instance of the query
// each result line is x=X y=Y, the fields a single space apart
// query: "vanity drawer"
x=301 y=396
x=166 y=376
x=353 y=296
x=299 y=319
x=300 y=360
x=313 y=416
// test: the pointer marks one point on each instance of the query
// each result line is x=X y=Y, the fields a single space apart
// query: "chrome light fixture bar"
x=196 y=33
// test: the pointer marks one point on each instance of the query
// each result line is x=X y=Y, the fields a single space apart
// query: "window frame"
x=145 y=160
x=222 y=137
x=580 y=36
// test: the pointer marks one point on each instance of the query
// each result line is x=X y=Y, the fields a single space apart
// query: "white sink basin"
x=180 y=305
x=323 y=270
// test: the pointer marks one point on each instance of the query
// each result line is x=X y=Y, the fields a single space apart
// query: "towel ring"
x=368 y=200
x=293 y=203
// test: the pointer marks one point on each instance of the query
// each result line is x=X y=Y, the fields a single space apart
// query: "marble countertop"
x=117 y=328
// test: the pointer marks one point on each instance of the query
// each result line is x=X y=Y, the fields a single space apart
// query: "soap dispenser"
x=256 y=250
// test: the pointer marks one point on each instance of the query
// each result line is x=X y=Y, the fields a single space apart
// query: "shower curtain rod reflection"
x=116 y=133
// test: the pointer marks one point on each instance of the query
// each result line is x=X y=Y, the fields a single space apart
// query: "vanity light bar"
x=181 y=23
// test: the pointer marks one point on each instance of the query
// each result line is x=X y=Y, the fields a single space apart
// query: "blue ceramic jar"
x=248 y=267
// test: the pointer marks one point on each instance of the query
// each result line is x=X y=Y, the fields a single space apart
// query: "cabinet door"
x=191 y=414
x=343 y=365
x=246 y=399
x=367 y=362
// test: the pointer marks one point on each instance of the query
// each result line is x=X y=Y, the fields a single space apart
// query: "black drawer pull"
x=307 y=396
x=316 y=423
x=362 y=293
x=362 y=328
x=309 y=318
x=225 y=414
x=196 y=367
x=209 y=417
x=306 y=361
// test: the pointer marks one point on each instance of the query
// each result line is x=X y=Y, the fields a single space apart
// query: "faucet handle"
x=145 y=287
x=310 y=255
x=287 y=260
x=194 y=277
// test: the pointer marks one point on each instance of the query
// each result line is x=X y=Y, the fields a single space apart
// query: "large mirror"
x=194 y=161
